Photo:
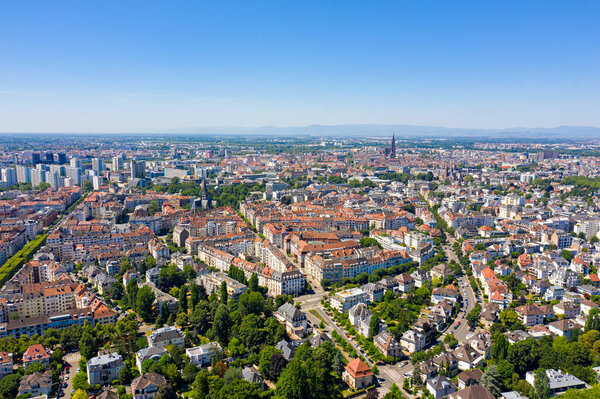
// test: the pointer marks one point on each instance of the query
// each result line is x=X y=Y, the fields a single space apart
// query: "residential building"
x=557 y=381
x=153 y=353
x=203 y=355
x=253 y=376
x=287 y=349
x=554 y=293
x=360 y=317
x=413 y=341
x=36 y=384
x=563 y=327
x=440 y=386
x=104 y=369
x=212 y=282
x=293 y=319
x=358 y=375
x=36 y=354
x=469 y=377
x=344 y=300
x=474 y=392
x=387 y=344
x=168 y=335
x=147 y=385
x=530 y=315
x=6 y=364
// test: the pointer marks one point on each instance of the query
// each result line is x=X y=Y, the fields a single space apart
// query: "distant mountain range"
x=401 y=131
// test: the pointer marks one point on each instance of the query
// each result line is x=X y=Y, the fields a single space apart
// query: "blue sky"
x=121 y=66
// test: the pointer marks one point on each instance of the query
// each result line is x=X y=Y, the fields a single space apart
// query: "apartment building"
x=104 y=369
x=343 y=301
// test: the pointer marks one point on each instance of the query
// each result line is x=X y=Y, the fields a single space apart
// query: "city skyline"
x=149 y=67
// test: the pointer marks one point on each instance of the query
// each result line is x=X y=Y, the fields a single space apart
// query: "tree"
x=373 y=326
x=277 y=364
x=451 y=341
x=541 y=385
x=125 y=375
x=369 y=242
x=201 y=387
x=566 y=254
x=143 y=303
x=417 y=378
x=159 y=322
x=395 y=392
x=499 y=348
x=239 y=389
x=592 y=393
x=251 y=303
x=291 y=383
x=220 y=368
x=253 y=282
x=9 y=385
x=87 y=346
x=132 y=289
x=224 y=292
x=189 y=273
x=232 y=374
x=473 y=315
x=80 y=381
x=166 y=391
x=35 y=367
x=491 y=380
x=168 y=277
x=153 y=207
x=372 y=394
x=264 y=364
x=338 y=363
x=80 y=394
x=593 y=320
x=194 y=295
x=183 y=300
x=117 y=291
x=88 y=185
x=222 y=325
x=510 y=319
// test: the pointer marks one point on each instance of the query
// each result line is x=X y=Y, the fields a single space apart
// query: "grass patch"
x=315 y=313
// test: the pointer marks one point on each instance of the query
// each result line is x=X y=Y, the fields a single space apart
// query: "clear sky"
x=137 y=66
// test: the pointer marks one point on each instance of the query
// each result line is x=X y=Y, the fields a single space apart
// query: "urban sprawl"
x=274 y=267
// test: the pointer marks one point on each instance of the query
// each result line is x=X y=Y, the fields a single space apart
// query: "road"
x=388 y=374
x=469 y=297
x=460 y=331
x=73 y=360
x=393 y=374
